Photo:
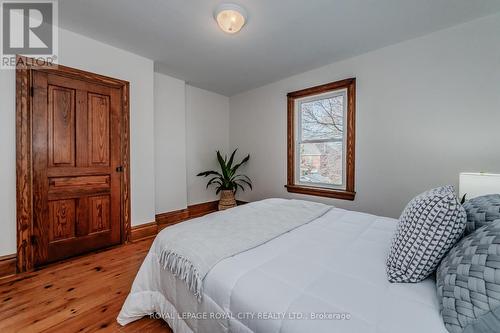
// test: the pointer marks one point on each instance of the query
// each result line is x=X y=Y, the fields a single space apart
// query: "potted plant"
x=227 y=181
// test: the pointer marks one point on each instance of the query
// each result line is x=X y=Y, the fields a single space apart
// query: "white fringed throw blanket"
x=192 y=248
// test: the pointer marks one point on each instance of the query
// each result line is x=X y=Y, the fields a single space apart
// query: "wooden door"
x=77 y=168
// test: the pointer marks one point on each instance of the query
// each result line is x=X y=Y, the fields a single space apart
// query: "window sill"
x=321 y=192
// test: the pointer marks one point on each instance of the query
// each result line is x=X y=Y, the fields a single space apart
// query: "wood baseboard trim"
x=203 y=209
x=143 y=231
x=7 y=265
x=164 y=220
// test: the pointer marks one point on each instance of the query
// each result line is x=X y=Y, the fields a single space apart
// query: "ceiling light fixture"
x=230 y=17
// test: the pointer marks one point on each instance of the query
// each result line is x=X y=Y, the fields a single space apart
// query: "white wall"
x=87 y=54
x=190 y=125
x=170 y=144
x=426 y=109
x=8 y=164
x=207 y=129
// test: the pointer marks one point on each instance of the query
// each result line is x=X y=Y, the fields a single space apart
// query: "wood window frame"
x=349 y=192
x=24 y=171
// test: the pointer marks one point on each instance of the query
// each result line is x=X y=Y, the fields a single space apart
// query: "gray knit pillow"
x=429 y=227
x=481 y=211
x=468 y=283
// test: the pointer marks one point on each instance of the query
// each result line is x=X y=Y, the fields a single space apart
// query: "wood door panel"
x=99 y=209
x=76 y=194
x=68 y=98
x=61 y=126
x=74 y=187
x=77 y=149
x=62 y=216
x=94 y=182
x=98 y=123
x=67 y=248
x=77 y=171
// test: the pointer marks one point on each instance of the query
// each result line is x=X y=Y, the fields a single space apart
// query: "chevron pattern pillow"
x=468 y=283
x=482 y=211
x=429 y=227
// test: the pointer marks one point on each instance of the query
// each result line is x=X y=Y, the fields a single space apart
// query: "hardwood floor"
x=79 y=295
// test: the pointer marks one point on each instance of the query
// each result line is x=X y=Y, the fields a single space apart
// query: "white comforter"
x=326 y=276
x=190 y=250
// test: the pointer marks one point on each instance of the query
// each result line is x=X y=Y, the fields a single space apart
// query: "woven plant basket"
x=227 y=200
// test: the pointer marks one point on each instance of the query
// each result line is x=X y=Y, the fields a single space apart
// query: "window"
x=321 y=140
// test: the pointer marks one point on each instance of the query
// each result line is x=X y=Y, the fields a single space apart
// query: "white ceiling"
x=281 y=38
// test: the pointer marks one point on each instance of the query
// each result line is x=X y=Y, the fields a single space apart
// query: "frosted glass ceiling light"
x=230 y=17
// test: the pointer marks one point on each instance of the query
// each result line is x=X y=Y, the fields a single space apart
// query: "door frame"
x=24 y=173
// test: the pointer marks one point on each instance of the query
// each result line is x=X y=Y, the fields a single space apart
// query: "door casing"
x=24 y=166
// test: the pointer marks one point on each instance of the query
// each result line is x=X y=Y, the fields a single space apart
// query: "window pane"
x=323 y=118
x=321 y=163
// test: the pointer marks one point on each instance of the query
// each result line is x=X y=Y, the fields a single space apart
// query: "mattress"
x=325 y=276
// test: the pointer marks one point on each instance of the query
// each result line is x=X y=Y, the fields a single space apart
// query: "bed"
x=325 y=276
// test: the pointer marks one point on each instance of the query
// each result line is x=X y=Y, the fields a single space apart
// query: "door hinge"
x=33 y=239
x=32 y=91
x=119 y=169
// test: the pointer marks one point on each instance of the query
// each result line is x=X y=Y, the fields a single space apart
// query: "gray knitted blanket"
x=189 y=250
